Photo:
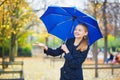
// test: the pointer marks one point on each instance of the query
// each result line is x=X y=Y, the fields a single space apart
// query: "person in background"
x=110 y=59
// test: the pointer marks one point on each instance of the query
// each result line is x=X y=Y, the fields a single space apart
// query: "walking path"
x=44 y=69
x=39 y=68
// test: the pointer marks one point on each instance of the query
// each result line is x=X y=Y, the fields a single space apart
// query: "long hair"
x=84 y=42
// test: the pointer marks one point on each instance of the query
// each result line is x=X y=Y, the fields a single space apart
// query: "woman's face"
x=80 y=31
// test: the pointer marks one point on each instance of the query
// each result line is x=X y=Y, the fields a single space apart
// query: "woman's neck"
x=77 y=41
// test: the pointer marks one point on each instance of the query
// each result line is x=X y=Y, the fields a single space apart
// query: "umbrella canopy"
x=61 y=22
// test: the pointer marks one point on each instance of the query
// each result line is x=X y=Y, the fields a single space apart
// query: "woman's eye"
x=77 y=29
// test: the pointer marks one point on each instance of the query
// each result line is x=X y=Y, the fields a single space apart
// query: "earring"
x=85 y=37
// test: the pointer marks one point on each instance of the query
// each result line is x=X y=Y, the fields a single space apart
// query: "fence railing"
x=15 y=67
x=88 y=66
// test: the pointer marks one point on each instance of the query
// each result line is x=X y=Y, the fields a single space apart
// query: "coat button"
x=64 y=71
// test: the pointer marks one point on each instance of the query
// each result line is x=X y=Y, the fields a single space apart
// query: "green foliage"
x=23 y=40
x=6 y=51
x=118 y=49
x=24 y=52
x=100 y=43
x=54 y=42
x=116 y=43
x=111 y=43
x=42 y=39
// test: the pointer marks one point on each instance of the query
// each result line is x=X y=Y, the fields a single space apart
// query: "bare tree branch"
x=3 y=2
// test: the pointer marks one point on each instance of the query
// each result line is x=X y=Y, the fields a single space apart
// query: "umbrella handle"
x=64 y=42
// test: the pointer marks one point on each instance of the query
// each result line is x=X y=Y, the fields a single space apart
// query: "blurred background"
x=20 y=27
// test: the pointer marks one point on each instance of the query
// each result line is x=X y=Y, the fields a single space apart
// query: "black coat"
x=72 y=69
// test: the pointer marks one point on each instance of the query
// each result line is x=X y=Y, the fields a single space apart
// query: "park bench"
x=15 y=67
x=88 y=66
x=102 y=66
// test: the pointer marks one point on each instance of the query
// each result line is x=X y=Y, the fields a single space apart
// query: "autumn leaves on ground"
x=45 y=68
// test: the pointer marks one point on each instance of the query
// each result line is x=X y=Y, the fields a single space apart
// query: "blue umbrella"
x=61 y=22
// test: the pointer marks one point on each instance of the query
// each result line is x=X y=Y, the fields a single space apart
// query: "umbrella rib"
x=82 y=16
x=57 y=14
x=71 y=29
x=85 y=22
x=90 y=25
x=74 y=11
x=87 y=16
x=65 y=11
x=61 y=23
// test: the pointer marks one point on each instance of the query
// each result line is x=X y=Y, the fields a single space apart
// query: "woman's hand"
x=64 y=48
x=41 y=45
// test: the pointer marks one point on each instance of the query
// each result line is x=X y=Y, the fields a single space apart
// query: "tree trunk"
x=95 y=47
x=2 y=3
x=3 y=51
x=96 y=59
x=13 y=48
x=46 y=41
x=106 y=31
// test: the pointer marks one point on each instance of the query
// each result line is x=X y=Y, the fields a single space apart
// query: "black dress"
x=72 y=68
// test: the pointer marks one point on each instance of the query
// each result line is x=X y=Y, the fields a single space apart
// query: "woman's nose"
x=76 y=31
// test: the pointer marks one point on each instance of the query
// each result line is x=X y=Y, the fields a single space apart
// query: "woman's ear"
x=86 y=33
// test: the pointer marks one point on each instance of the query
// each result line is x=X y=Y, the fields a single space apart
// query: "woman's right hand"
x=41 y=45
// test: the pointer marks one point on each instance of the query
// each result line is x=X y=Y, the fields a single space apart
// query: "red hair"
x=84 y=42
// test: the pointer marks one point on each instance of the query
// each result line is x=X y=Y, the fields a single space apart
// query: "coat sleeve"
x=76 y=61
x=54 y=52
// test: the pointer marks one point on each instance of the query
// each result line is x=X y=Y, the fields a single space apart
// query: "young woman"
x=75 y=49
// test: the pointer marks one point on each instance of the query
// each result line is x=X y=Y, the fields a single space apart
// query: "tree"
x=94 y=10
x=107 y=14
x=106 y=30
x=95 y=4
x=112 y=10
x=43 y=4
x=17 y=18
